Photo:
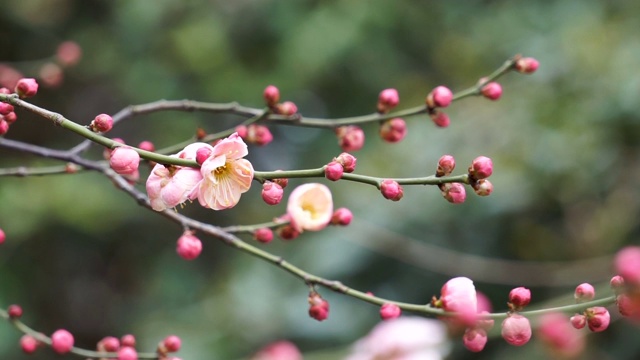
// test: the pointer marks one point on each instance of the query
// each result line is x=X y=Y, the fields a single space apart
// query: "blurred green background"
x=564 y=142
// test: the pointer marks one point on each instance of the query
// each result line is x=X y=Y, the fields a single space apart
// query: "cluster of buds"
x=257 y=134
x=393 y=130
x=454 y=193
x=350 y=137
x=271 y=97
x=344 y=163
x=481 y=168
x=25 y=87
x=439 y=97
x=627 y=283
x=318 y=307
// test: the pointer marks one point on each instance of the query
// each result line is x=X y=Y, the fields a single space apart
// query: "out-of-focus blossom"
x=310 y=207
x=560 y=336
x=279 y=350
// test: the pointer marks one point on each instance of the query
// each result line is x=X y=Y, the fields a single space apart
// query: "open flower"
x=169 y=186
x=226 y=175
x=310 y=207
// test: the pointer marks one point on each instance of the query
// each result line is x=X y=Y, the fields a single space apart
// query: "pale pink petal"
x=232 y=147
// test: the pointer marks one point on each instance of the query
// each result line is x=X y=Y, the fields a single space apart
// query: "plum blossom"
x=310 y=207
x=459 y=295
x=406 y=338
x=226 y=175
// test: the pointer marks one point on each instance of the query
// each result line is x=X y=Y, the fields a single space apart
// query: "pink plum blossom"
x=406 y=338
x=310 y=207
x=226 y=175
x=598 y=318
x=458 y=295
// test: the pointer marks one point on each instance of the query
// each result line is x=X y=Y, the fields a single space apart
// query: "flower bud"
x=259 y=135
x=441 y=96
x=5 y=108
x=283 y=182
x=578 y=321
x=127 y=353
x=3 y=237
x=271 y=95
x=242 y=131
x=474 y=339
x=124 y=160
x=387 y=100
x=29 y=344
x=68 y=53
x=263 y=235
x=172 y=343
x=287 y=108
x=26 y=87
x=147 y=146
x=516 y=329
x=598 y=318
x=128 y=340
x=102 y=123
x=519 y=298
x=62 y=341
x=527 y=65
x=4 y=127
x=617 y=284
x=454 y=193
x=389 y=311
x=109 y=344
x=342 y=217
x=272 y=193
x=10 y=117
x=189 y=247
x=483 y=187
x=584 y=292
x=287 y=232
x=492 y=91
x=350 y=138
x=627 y=265
x=440 y=118
x=560 y=336
x=14 y=311
x=203 y=153
x=4 y=90
x=333 y=171
x=628 y=306
x=446 y=164
x=319 y=307
x=481 y=168
x=391 y=190
x=393 y=130
x=347 y=161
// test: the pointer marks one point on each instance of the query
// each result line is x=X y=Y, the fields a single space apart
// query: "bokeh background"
x=565 y=144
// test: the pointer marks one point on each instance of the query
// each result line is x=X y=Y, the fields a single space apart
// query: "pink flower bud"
x=189 y=247
x=446 y=164
x=283 y=182
x=14 y=311
x=454 y=193
x=319 y=307
x=555 y=331
x=5 y=108
x=350 y=138
x=474 y=339
x=287 y=108
x=4 y=127
x=128 y=340
x=26 y=87
x=481 y=168
x=584 y=292
x=109 y=344
x=527 y=65
x=3 y=236
x=627 y=265
x=279 y=350
x=263 y=235
x=242 y=131
x=458 y=295
x=259 y=135
x=486 y=324
x=102 y=123
x=203 y=153
x=347 y=161
x=598 y=318
x=272 y=193
x=62 y=341
x=172 y=343
x=483 y=187
x=10 y=117
x=441 y=96
x=287 y=232
x=342 y=217
x=271 y=95
x=124 y=160
x=393 y=130
x=127 y=353
x=628 y=306
x=387 y=100
x=492 y=91
x=391 y=190
x=516 y=330
x=389 y=311
x=440 y=118
x=519 y=297
x=578 y=321
x=617 y=284
x=4 y=90
x=147 y=146
x=29 y=344
x=68 y=53
x=333 y=171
